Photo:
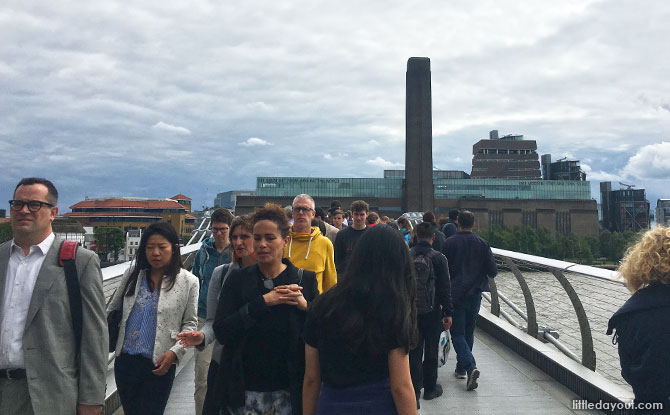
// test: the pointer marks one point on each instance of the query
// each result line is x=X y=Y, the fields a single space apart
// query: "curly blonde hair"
x=648 y=261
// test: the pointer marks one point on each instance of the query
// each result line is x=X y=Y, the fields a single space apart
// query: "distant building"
x=507 y=157
x=184 y=201
x=130 y=213
x=69 y=229
x=3 y=213
x=229 y=199
x=624 y=209
x=561 y=169
x=663 y=212
x=560 y=206
x=437 y=174
x=132 y=243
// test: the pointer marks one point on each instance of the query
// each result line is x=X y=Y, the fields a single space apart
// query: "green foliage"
x=6 y=233
x=109 y=240
x=571 y=247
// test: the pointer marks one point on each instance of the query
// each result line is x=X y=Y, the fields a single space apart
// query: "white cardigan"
x=177 y=311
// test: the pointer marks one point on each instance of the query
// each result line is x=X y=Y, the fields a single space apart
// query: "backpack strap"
x=66 y=257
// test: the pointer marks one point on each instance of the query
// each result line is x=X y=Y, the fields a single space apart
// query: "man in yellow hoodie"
x=309 y=249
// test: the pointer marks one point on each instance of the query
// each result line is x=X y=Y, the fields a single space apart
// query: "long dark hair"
x=372 y=307
x=142 y=263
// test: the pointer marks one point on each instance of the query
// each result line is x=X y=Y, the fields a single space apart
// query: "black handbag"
x=113 y=324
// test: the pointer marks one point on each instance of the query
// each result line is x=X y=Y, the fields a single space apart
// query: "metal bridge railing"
x=562 y=303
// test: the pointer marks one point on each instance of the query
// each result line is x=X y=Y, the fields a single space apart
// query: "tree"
x=109 y=240
x=6 y=232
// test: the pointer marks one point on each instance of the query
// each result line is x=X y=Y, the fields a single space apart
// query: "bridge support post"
x=588 y=354
x=527 y=296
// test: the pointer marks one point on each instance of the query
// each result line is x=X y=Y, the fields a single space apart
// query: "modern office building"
x=560 y=206
x=507 y=157
x=663 y=212
x=3 y=213
x=562 y=169
x=130 y=213
x=624 y=209
x=229 y=199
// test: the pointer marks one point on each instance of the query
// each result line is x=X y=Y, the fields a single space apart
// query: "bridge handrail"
x=117 y=270
x=587 y=270
x=516 y=260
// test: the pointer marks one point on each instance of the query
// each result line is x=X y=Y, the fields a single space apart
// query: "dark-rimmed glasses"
x=220 y=230
x=33 y=205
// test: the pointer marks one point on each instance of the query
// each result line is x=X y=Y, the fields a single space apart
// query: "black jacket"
x=442 y=282
x=240 y=307
x=642 y=327
x=471 y=263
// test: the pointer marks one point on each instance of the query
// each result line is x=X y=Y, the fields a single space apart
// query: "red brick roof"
x=180 y=197
x=103 y=214
x=187 y=216
x=108 y=203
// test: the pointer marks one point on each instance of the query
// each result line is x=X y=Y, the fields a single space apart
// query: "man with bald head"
x=308 y=248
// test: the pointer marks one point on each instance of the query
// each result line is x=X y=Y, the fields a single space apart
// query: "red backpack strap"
x=68 y=251
x=66 y=256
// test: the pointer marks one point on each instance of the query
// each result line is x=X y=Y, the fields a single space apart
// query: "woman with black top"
x=259 y=320
x=359 y=333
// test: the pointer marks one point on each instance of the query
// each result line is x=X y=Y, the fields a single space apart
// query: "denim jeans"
x=463 y=331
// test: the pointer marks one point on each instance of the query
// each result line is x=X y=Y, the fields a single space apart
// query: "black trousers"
x=423 y=358
x=141 y=391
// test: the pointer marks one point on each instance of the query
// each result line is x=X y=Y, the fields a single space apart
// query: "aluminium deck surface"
x=508 y=385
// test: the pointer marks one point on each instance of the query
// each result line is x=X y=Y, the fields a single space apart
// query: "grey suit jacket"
x=57 y=381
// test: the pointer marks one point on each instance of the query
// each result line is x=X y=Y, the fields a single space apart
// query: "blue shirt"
x=141 y=325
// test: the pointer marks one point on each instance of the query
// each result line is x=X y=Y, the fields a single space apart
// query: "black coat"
x=241 y=305
x=642 y=327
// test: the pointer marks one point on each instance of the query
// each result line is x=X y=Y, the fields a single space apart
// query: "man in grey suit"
x=40 y=371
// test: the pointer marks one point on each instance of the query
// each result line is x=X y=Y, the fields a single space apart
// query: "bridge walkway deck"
x=508 y=385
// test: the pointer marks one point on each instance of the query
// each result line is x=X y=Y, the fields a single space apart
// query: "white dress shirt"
x=22 y=274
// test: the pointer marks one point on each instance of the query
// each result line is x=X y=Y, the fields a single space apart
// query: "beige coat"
x=177 y=312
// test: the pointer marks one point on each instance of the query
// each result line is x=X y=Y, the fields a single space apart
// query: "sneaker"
x=436 y=392
x=473 y=375
x=460 y=375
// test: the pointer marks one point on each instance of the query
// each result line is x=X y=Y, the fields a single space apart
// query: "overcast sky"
x=152 y=99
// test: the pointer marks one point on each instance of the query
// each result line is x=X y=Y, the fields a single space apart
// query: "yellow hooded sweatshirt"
x=313 y=252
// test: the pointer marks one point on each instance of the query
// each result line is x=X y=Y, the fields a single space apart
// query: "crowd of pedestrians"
x=291 y=311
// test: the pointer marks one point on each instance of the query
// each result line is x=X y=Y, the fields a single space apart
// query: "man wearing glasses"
x=214 y=251
x=39 y=369
x=308 y=248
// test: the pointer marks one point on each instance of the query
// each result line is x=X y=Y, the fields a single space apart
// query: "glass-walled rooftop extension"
x=328 y=187
x=444 y=188
x=512 y=189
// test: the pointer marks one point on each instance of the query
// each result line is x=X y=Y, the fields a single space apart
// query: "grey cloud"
x=319 y=79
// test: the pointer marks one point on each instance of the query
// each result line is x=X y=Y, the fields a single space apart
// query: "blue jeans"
x=463 y=331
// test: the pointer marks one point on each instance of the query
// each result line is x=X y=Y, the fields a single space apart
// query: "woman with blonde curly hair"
x=642 y=324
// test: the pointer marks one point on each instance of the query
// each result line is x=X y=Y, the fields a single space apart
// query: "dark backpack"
x=425 y=281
